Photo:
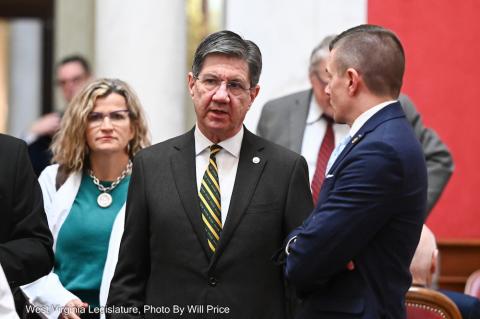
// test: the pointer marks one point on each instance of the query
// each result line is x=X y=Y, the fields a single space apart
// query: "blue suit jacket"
x=469 y=306
x=371 y=209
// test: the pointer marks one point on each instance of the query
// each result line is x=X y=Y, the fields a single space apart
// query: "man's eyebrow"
x=233 y=79
x=236 y=79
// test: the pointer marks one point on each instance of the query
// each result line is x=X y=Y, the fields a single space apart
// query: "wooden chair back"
x=424 y=303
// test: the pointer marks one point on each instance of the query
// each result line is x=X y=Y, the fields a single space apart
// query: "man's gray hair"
x=376 y=53
x=231 y=44
x=320 y=52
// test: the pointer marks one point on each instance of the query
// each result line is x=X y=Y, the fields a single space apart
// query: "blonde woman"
x=84 y=197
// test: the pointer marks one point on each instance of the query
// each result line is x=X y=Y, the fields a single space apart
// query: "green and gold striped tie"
x=210 y=203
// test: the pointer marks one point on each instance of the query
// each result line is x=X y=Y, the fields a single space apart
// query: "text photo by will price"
x=187 y=309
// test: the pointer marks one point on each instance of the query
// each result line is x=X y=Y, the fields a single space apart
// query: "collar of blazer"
x=389 y=112
x=248 y=173
x=62 y=200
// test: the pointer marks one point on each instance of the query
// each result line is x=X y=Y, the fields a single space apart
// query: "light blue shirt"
x=337 y=151
x=356 y=126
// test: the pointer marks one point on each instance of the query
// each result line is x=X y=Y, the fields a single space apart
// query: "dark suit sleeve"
x=437 y=156
x=26 y=254
x=128 y=285
x=345 y=223
x=299 y=202
x=298 y=205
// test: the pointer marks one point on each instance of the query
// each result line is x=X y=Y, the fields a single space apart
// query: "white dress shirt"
x=7 y=307
x=357 y=124
x=365 y=116
x=227 y=163
x=315 y=129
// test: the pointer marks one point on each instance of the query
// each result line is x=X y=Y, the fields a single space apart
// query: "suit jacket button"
x=212 y=281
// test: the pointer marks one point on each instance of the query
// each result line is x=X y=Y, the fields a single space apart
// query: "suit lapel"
x=246 y=179
x=389 y=112
x=297 y=120
x=183 y=168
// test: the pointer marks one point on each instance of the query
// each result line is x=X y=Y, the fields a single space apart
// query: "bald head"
x=425 y=259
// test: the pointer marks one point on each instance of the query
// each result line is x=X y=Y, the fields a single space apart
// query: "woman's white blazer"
x=47 y=294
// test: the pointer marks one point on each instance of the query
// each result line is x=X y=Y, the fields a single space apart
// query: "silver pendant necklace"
x=104 y=200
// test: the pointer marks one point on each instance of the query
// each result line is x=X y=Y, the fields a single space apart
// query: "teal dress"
x=82 y=243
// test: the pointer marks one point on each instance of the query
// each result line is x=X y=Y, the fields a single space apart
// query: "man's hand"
x=46 y=125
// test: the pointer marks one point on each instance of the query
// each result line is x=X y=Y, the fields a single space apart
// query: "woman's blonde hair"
x=69 y=145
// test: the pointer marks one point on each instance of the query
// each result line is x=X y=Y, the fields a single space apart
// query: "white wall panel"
x=286 y=31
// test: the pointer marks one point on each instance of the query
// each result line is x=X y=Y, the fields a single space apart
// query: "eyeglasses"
x=211 y=83
x=115 y=117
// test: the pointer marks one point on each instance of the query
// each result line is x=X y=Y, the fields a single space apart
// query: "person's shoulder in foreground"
x=25 y=240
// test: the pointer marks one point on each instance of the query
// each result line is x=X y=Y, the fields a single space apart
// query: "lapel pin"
x=256 y=160
x=356 y=138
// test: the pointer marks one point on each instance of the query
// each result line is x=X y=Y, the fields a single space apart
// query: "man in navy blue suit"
x=351 y=257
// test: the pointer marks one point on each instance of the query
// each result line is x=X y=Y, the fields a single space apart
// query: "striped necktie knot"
x=214 y=149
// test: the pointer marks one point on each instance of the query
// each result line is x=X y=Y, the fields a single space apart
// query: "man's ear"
x=433 y=265
x=353 y=78
x=253 y=94
x=311 y=77
x=191 y=83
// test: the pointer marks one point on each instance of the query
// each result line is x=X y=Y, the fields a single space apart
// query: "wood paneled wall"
x=458 y=259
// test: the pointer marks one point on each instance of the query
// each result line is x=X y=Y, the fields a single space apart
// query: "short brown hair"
x=376 y=53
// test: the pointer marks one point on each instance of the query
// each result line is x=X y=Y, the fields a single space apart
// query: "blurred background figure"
x=424 y=268
x=73 y=72
x=303 y=122
x=85 y=194
x=7 y=307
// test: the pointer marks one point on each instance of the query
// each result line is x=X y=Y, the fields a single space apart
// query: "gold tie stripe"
x=210 y=203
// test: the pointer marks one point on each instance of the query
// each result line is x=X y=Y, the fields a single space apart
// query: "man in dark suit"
x=207 y=210
x=351 y=257
x=300 y=122
x=72 y=72
x=25 y=239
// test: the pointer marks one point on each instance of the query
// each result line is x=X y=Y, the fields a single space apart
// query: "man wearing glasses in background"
x=303 y=122
x=73 y=72
x=207 y=210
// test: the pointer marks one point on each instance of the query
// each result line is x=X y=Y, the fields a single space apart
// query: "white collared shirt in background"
x=315 y=129
x=227 y=163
